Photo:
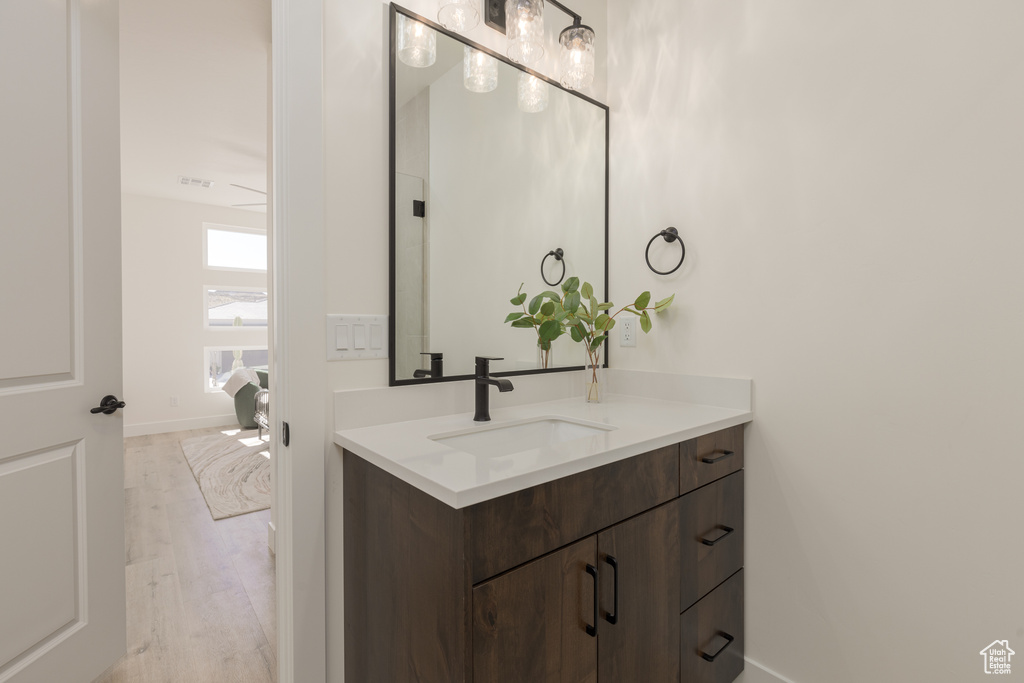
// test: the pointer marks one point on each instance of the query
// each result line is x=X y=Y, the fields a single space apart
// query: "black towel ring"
x=557 y=253
x=670 y=235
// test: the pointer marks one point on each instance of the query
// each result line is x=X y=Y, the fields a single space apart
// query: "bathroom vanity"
x=611 y=555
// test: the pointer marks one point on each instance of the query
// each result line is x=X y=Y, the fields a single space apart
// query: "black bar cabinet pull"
x=108 y=406
x=728 y=642
x=592 y=630
x=613 y=616
x=727 y=529
x=723 y=456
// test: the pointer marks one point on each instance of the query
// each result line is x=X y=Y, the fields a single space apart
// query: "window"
x=235 y=307
x=221 y=361
x=230 y=248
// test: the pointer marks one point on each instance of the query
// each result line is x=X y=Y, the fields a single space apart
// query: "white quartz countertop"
x=459 y=479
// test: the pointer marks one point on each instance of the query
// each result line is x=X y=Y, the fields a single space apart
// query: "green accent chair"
x=245 y=401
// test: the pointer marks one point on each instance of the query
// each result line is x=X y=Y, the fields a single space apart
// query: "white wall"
x=847 y=177
x=164 y=335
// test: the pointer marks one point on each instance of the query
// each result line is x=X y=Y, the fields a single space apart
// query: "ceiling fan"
x=243 y=187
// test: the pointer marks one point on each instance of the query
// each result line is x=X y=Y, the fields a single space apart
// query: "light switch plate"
x=357 y=337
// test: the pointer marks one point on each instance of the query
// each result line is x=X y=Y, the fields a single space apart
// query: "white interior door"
x=62 y=594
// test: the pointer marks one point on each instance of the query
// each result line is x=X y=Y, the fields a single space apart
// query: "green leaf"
x=514 y=316
x=643 y=300
x=593 y=306
x=597 y=341
x=571 y=285
x=535 y=304
x=645 y=322
x=544 y=345
x=575 y=333
x=572 y=302
x=610 y=325
x=550 y=330
x=518 y=300
x=664 y=303
x=627 y=309
x=584 y=316
x=560 y=315
x=604 y=307
x=584 y=332
x=524 y=322
x=547 y=308
x=588 y=290
x=554 y=296
x=601 y=321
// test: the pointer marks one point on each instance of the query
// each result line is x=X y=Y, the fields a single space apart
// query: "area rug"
x=232 y=470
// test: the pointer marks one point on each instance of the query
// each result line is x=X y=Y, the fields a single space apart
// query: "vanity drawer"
x=710 y=457
x=711 y=526
x=505 y=532
x=711 y=635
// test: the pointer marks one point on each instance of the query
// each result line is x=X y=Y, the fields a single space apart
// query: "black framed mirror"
x=498 y=177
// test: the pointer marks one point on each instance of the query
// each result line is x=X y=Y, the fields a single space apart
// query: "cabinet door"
x=531 y=624
x=639 y=627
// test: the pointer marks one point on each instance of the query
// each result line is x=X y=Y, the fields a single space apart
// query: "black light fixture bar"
x=494 y=13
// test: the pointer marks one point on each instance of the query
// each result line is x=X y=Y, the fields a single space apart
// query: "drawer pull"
x=728 y=642
x=613 y=616
x=592 y=630
x=723 y=456
x=727 y=529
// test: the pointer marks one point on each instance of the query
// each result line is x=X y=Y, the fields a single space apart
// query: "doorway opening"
x=197 y=340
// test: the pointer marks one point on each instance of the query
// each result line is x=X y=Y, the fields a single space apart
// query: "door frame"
x=299 y=362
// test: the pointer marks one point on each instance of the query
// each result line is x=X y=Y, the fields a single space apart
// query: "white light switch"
x=356 y=337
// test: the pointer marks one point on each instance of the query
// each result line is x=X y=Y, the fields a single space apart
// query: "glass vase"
x=593 y=382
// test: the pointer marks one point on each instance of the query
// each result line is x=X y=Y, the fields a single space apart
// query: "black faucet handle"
x=483 y=365
x=433 y=355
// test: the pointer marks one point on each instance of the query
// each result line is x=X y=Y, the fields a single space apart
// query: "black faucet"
x=436 y=366
x=483 y=381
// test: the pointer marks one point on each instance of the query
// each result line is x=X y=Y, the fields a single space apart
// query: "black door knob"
x=108 y=406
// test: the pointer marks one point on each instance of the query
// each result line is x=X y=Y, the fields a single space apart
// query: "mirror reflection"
x=495 y=172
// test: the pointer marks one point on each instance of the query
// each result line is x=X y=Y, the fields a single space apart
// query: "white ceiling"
x=194 y=98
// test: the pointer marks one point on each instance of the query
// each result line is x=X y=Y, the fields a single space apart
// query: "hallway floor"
x=201 y=594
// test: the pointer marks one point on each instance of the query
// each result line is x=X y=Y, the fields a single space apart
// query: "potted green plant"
x=589 y=322
x=546 y=318
x=577 y=311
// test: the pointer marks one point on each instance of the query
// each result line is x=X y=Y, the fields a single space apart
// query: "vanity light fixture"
x=533 y=94
x=479 y=70
x=524 y=27
x=458 y=15
x=523 y=24
x=577 y=58
x=417 y=43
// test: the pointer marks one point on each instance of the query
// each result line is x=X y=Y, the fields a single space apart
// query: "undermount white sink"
x=521 y=435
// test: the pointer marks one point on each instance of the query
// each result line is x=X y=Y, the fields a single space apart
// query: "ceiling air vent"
x=194 y=182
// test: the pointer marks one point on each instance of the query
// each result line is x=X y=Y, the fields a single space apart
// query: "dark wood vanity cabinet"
x=627 y=572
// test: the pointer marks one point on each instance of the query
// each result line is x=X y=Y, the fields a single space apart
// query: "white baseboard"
x=757 y=673
x=271 y=537
x=179 y=425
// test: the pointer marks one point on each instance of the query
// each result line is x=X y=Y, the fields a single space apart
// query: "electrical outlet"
x=174 y=401
x=627 y=331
